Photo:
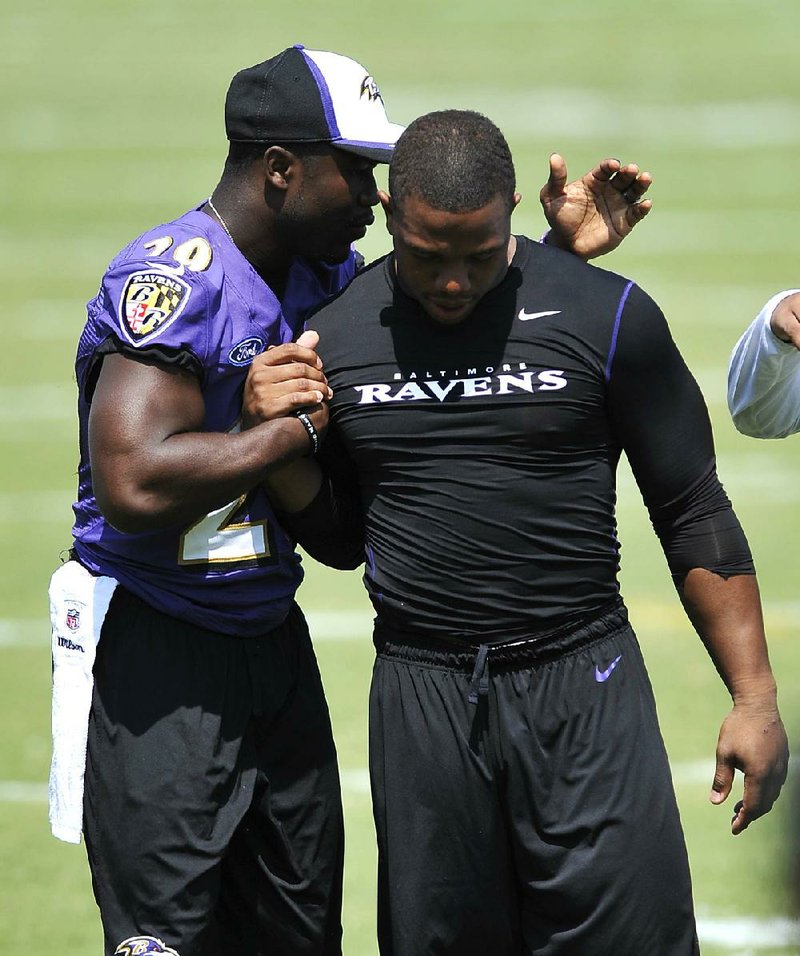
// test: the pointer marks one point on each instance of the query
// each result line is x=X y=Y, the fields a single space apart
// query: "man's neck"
x=252 y=237
x=512 y=248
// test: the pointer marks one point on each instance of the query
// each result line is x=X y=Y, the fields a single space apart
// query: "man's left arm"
x=726 y=613
x=592 y=215
x=661 y=420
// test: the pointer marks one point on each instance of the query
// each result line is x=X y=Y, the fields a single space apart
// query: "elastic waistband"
x=457 y=653
x=125 y=601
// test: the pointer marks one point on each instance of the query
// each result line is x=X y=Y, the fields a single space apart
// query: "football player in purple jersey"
x=207 y=788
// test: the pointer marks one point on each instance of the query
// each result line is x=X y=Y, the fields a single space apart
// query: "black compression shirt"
x=486 y=452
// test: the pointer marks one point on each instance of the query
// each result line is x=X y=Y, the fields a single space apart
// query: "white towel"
x=78 y=605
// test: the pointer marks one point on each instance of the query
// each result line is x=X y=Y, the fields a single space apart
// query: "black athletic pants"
x=539 y=819
x=212 y=805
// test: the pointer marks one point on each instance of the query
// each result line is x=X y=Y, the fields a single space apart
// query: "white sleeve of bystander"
x=764 y=379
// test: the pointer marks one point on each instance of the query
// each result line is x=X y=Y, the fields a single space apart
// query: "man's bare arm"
x=152 y=463
x=727 y=616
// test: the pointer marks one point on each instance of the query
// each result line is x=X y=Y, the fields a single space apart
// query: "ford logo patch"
x=245 y=352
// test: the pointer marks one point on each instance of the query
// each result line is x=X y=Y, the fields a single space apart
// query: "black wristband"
x=311 y=431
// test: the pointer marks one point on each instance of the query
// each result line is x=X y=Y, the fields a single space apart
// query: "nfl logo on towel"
x=73 y=619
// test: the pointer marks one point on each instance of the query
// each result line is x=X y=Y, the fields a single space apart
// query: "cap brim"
x=378 y=152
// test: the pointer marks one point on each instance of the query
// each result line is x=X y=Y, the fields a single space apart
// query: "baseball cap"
x=310 y=96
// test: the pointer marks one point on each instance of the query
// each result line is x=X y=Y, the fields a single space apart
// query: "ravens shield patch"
x=151 y=300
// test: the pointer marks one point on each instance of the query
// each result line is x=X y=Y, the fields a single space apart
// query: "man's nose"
x=369 y=192
x=454 y=280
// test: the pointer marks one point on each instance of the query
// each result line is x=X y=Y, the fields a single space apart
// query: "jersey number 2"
x=218 y=539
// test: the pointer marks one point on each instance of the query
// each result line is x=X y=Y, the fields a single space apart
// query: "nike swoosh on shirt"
x=527 y=316
x=602 y=676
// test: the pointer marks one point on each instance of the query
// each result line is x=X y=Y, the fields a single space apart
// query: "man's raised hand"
x=592 y=215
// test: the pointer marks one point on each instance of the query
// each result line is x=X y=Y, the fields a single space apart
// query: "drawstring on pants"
x=479 y=685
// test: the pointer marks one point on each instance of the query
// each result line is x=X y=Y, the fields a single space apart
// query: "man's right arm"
x=764 y=371
x=153 y=465
x=320 y=506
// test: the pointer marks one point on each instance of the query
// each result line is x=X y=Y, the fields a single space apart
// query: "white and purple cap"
x=310 y=96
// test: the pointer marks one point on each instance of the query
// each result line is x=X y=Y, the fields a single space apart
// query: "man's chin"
x=448 y=314
x=336 y=257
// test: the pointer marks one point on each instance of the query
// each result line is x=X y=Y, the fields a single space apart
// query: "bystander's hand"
x=592 y=215
x=785 y=321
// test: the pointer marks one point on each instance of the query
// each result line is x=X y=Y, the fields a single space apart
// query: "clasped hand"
x=285 y=379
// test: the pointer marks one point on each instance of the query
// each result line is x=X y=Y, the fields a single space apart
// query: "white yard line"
x=339 y=625
x=324 y=626
x=691 y=773
x=745 y=474
x=24 y=632
x=38 y=507
x=755 y=475
x=23 y=404
x=740 y=931
x=758 y=934
x=676 y=231
x=567 y=115
x=47 y=320
x=357 y=625
x=17 y=791
x=356 y=781
x=562 y=114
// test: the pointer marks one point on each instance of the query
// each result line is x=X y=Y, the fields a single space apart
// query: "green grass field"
x=111 y=120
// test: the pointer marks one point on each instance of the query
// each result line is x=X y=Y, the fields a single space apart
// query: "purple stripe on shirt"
x=369 y=554
x=324 y=94
x=618 y=318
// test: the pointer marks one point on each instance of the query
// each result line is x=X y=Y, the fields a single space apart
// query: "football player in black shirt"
x=482 y=389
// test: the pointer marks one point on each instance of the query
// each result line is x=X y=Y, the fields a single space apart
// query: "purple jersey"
x=184 y=294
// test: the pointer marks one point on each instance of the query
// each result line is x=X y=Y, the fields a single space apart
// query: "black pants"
x=212 y=803
x=539 y=819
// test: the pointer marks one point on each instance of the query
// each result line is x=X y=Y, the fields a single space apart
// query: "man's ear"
x=280 y=166
x=517 y=200
x=388 y=209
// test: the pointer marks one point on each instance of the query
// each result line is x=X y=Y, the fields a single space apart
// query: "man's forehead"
x=422 y=221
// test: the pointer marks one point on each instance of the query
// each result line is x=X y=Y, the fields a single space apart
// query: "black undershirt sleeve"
x=165 y=357
x=331 y=528
x=661 y=422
